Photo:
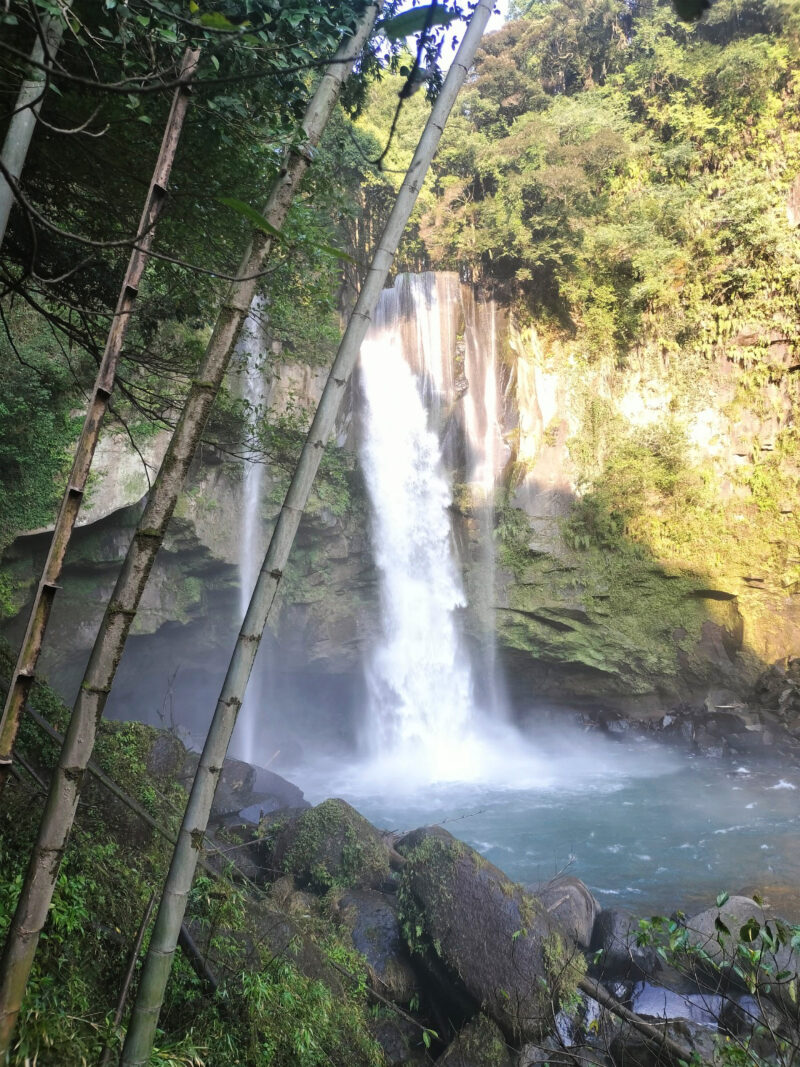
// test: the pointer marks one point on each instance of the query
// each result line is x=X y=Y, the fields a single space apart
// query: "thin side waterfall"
x=486 y=455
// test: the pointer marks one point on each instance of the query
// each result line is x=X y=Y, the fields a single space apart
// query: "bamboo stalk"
x=25 y=668
x=26 y=112
x=147 y=1007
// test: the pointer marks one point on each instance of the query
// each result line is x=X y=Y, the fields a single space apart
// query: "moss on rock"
x=328 y=845
x=509 y=954
x=479 y=1044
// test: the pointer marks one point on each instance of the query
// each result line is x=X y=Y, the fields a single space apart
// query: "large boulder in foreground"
x=507 y=950
x=326 y=846
x=618 y=958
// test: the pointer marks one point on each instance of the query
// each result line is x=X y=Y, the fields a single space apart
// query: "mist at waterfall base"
x=641 y=825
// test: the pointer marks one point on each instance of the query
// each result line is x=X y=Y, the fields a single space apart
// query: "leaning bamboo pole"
x=62 y=801
x=25 y=668
x=158 y=963
x=26 y=111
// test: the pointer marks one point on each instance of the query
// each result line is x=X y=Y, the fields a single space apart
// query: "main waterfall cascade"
x=429 y=382
x=420 y=682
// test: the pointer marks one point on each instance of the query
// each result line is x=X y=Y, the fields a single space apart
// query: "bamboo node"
x=116 y=608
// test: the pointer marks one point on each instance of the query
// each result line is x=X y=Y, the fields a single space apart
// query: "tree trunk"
x=23 y=675
x=26 y=112
x=141 y=1031
x=59 y=814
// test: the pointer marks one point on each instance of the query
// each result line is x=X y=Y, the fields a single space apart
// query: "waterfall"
x=422 y=709
x=251 y=349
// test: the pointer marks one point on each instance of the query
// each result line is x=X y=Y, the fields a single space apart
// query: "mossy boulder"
x=400 y=1040
x=512 y=957
x=569 y=901
x=373 y=925
x=327 y=846
x=479 y=1044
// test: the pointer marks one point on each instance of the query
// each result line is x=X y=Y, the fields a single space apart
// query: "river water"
x=647 y=829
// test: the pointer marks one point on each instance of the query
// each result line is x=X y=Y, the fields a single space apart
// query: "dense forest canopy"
x=621 y=167
x=629 y=182
x=621 y=172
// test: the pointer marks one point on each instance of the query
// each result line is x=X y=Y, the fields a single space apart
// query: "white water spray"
x=420 y=681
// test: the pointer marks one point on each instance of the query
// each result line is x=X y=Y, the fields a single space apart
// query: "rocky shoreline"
x=502 y=974
x=763 y=722
x=453 y=962
x=469 y=969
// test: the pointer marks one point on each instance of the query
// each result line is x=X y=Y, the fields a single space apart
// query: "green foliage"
x=334 y=846
x=310 y=1025
x=266 y=1012
x=753 y=956
x=230 y=149
x=646 y=470
x=625 y=175
x=513 y=534
x=36 y=429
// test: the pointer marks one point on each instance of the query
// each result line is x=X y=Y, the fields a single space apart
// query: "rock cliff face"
x=187 y=623
x=655 y=561
x=642 y=549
